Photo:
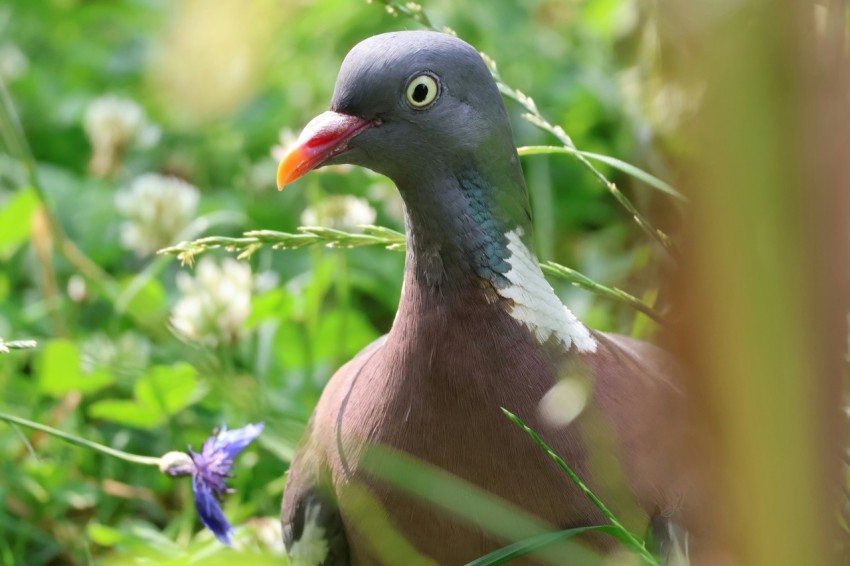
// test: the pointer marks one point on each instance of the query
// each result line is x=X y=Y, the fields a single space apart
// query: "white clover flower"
x=215 y=302
x=13 y=62
x=156 y=209
x=342 y=212
x=112 y=124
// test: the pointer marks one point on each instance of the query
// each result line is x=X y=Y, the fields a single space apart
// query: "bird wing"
x=649 y=410
x=313 y=530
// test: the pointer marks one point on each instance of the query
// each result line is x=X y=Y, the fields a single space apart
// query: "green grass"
x=109 y=367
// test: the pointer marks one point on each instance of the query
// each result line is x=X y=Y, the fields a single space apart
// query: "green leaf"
x=170 y=389
x=126 y=412
x=523 y=547
x=15 y=217
x=276 y=304
x=618 y=164
x=291 y=347
x=637 y=173
x=104 y=535
x=148 y=303
x=59 y=371
x=342 y=333
x=160 y=394
x=5 y=286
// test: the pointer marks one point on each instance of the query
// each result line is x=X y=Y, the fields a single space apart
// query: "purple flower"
x=210 y=469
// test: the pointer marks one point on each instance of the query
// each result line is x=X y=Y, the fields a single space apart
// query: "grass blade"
x=621 y=533
x=637 y=173
x=250 y=242
x=472 y=505
x=533 y=116
x=588 y=284
x=523 y=547
x=618 y=164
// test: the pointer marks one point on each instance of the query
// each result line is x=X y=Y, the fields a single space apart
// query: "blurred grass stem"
x=250 y=242
x=625 y=536
x=767 y=272
x=73 y=439
x=15 y=138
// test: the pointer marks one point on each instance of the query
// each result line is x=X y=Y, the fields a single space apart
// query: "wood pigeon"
x=478 y=328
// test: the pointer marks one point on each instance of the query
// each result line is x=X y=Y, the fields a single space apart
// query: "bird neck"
x=469 y=243
x=457 y=230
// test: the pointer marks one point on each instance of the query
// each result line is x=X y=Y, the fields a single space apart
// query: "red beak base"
x=324 y=137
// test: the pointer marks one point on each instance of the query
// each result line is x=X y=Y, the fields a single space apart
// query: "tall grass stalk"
x=79 y=441
x=253 y=241
x=635 y=543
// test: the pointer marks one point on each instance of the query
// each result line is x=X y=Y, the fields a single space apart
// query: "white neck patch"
x=535 y=303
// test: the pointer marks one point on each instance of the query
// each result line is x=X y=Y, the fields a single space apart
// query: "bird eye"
x=422 y=91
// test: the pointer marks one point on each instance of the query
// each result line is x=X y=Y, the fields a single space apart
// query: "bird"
x=478 y=328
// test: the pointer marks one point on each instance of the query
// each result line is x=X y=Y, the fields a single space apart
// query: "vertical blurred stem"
x=763 y=339
x=13 y=135
x=542 y=202
x=313 y=296
x=343 y=300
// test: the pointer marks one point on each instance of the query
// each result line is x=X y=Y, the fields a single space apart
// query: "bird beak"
x=324 y=137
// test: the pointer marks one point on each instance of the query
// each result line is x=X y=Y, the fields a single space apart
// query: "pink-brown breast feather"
x=434 y=390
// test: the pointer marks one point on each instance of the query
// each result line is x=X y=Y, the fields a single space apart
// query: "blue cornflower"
x=210 y=469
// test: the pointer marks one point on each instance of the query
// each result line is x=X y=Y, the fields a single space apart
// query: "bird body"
x=478 y=328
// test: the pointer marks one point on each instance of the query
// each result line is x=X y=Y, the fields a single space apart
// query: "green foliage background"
x=108 y=366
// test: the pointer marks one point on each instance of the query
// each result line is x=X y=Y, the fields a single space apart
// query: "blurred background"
x=148 y=122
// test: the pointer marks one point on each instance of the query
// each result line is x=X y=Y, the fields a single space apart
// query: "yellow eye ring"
x=422 y=91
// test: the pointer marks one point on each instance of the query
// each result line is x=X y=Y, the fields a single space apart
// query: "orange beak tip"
x=321 y=139
x=287 y=171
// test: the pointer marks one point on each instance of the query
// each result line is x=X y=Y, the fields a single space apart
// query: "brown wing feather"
x=309 y=501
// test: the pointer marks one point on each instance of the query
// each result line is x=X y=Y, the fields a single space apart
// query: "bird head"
x=409 y=105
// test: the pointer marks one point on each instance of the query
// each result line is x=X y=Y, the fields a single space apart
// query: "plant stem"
x=16 y=345
x=120 y=454
x=373 y=236
x=635 y=542
x=13 y=133
x=588 y=284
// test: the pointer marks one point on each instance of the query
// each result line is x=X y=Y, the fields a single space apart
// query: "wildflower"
x=210 y=469
x=156 y=208
x=342 y=212
x=215 y=302
x=112 y=124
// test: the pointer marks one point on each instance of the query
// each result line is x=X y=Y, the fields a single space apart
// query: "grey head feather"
x=467 y=124
x=454 y=161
